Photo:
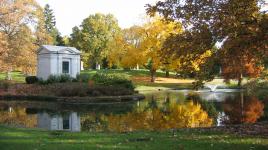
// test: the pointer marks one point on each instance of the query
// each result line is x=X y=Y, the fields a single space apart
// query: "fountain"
x=212 y=87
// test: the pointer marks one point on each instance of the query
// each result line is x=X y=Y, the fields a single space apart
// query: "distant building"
x=56 y=60
x=69 y=122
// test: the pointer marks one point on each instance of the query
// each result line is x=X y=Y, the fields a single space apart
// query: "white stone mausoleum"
x=57 y=60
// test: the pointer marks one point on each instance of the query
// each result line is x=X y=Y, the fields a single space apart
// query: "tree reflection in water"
x=17 y=116
x=242 y=109
x=176 y=116
x=151 y=114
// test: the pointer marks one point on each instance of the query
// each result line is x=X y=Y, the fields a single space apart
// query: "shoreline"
x=98 y=99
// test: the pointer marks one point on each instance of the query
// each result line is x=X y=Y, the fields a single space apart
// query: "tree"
x=50 y=26
x=50 y=21
x=155 y=34
x=42 y=34
x=15 y=19
x=3 y=50
x=94 y=38
x=126 y=48
x=238 y=25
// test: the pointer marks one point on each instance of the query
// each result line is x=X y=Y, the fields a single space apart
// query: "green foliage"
x=113 y=80
x=50 y=21
x=95 y=37
x=31 y=79
x=83 y=77
x=50 y=26
x=57 y=79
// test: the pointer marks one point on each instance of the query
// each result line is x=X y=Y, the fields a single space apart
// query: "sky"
x=70 y=13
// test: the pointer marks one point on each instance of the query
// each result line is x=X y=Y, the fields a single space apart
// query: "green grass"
x=141 y=85
x=130 y=73
x=16 y=76
x=33 y=139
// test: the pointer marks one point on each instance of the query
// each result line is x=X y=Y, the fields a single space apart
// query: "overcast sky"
x=70 y=13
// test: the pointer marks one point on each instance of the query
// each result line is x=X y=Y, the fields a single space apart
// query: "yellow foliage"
x=156 y=32
x=177 y=116
x=201 y=60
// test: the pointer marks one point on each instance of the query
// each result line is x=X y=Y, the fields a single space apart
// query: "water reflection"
x=68 y=122
x=186 y=115
x=17 y=117
x=242 y=109
x=159 y=111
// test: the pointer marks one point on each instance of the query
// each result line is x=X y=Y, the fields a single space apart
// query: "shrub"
x=65 y=78
x=257 y=88
x=42 y=82
x=31 y=79
x=70 y=89
x=57 y=79
x=82 y=89
x=108 y=91
x=83 y=77
x=5 y=84
x=53 y=79
x=255 y=85
x=30 y=89
x=113 y=80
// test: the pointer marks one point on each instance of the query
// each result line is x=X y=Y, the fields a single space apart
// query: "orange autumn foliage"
x=245 y=110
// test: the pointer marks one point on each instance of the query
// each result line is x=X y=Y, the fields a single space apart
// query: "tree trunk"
x=153 y=72
x=240 y=80
x=138 y=67
x=8 y=75
x=167 y=73
x=98 y=66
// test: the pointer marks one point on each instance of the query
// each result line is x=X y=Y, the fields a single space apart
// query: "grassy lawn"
x=141 y=79
x=33 y=139
x=130 y=73
x=16 y=76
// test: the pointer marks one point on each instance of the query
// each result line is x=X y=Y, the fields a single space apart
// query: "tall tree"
x=50 y=26
x=237 y=24
x=127 y=51
x=16 y=17
x=94 y=38
x=155 y=33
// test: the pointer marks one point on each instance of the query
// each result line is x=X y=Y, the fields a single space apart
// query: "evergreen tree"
x=50 y=21
x=50 y=26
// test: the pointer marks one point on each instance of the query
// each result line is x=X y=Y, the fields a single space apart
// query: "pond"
x=159 y=111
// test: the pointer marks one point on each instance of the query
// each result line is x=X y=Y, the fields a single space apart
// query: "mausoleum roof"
x=59 y=49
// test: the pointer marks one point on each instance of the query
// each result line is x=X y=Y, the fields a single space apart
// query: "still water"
x=159 y=111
